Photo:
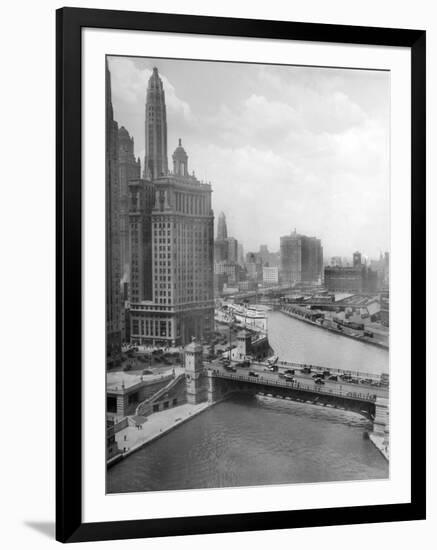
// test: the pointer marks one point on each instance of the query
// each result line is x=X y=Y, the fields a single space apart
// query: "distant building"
x=271 y=275
x=232 y=270
x=254 y=267
x=356 y=259
x=336 y=261
x=301 y=259
x=247 y=285
x=222 y=230
x=220 y=251
x=382 y=266
x=350 y=279
x=240 y=254
x=268 y=258
x=232 y=249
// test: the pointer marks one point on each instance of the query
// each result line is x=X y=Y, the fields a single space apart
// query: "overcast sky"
x=284 y=147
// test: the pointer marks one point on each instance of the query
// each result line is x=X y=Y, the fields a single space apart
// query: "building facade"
x=141 y=203
x=112 y=230
x=351 y=279
x=129 y=168
x=155 y=160
x=182 y=236
x=270 y=275
x=222 y=229
x=301 y=259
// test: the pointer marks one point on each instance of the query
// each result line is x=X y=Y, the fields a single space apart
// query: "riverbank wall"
x=363 y=339
x=183 y=414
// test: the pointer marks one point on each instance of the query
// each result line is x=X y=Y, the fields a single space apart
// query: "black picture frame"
x=69 y=24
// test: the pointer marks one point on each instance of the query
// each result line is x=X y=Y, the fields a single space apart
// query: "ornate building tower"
x=155 y=161
x=113 y=295
x=129 y=168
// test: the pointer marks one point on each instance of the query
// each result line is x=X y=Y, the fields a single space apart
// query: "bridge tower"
x=381 y=421
x=194 y=373
x=244 y=343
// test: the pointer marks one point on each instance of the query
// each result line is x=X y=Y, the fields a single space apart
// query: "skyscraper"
x=113 y=295
x=301 y=258
x=129 y=168
x=357 y=259
x=141 y=203
x=222 y=230
x=182 y=226
x=155 y=160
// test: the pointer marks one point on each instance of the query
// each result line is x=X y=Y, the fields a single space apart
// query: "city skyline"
x=324 y=141
x=193 y=326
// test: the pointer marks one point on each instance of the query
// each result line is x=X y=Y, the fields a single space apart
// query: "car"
x=254 y=374
x=281 y=375
x=318 y=376
x=290 y=379
x=326 y=373
x=333 y=377
x=319 y=381
x=289 y=371
x=306 y=370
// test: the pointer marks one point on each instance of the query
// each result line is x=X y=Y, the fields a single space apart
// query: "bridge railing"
x=294 y=386
x=318 y=368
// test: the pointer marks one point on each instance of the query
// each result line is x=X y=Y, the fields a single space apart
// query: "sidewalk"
x=156 y=425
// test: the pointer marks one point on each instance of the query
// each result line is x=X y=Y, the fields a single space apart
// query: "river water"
x=301 y=342
x=247 y=441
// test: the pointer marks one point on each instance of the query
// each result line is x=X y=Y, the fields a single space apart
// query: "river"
x=295 y=340
x=260 y=441
x=248 y=441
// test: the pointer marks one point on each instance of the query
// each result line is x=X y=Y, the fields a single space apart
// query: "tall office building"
x=155 y=160
x=112 y=229
x=182 y=236
x=222 y=230
x=141 y=203
x=232 y=250
x=240 y=254
x=301 y=259
x=357 y=260
x=221 y=243
x=129 y=168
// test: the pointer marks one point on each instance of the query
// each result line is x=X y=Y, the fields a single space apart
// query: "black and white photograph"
x=247 y=274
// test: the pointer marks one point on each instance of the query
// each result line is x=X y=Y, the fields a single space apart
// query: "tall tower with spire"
x=155 y=160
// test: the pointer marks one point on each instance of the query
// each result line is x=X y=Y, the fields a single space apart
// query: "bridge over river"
x=361 y=398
